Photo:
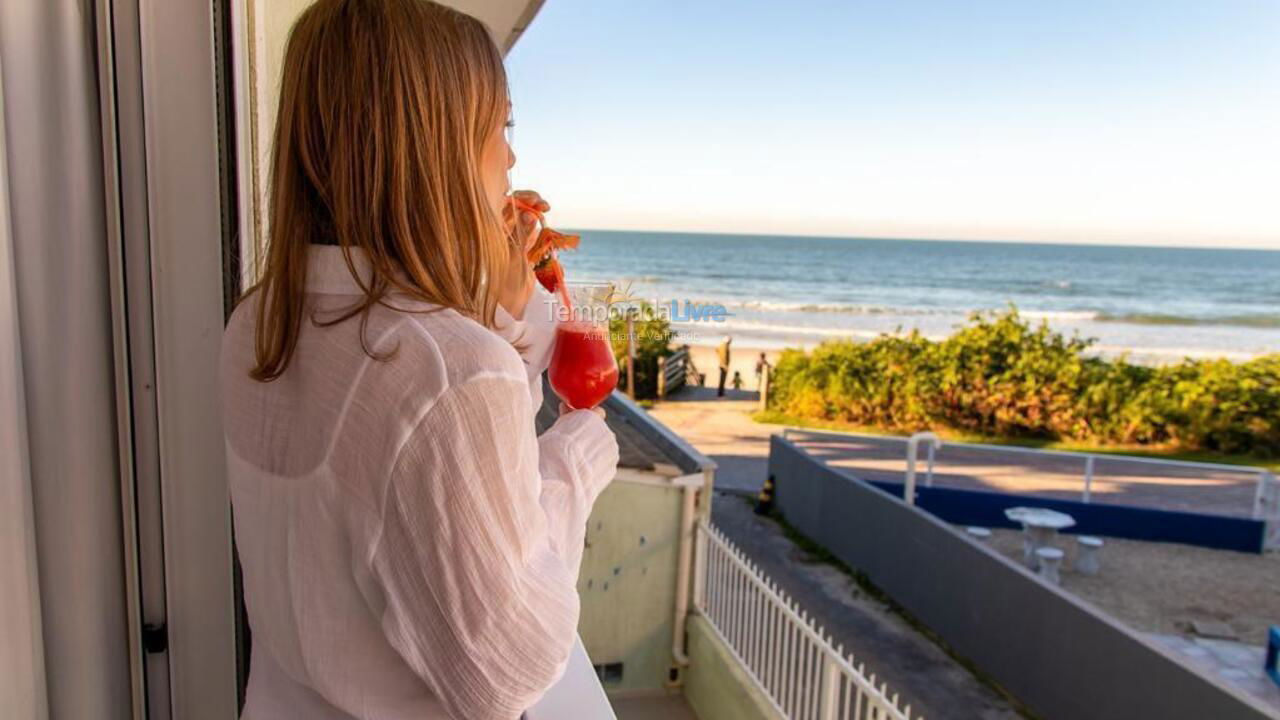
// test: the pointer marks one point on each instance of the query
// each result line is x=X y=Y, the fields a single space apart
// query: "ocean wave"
x=751 y=334
x=729 y=327
x=1262 y=320
x=1064 y=315
x=838 y=308
x=1259 y=320
x=908 y=311
x=1160 y=355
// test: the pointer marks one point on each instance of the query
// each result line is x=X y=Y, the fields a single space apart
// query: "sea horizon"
x=1155 y=304
x=911 y=238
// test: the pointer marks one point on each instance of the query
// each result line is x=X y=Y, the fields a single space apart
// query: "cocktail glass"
x=583 y=370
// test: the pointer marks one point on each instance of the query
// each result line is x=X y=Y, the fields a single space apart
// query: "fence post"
x=928 y=474
x=631 y=358
x=699 y=567
x=909 y=485
x=830 y=691
x=764 y=388
x=1088 y=477
x=1267 y=509
x=1260 y=495
x=662 y=377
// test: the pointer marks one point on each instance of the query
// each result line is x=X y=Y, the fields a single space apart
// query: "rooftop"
x=643 y=443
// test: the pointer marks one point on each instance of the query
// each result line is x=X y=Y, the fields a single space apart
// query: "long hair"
x=385 y=106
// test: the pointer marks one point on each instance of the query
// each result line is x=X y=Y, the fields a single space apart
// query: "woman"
x=410 y=546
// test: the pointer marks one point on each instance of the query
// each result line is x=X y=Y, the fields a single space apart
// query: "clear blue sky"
x=1087 y=121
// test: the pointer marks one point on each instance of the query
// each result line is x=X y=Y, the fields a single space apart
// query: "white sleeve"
x=481 y=538
x=533 y=336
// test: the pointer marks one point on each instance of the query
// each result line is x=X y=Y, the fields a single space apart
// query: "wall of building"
x=986 y=509
x=716 y=686
x=628 y=582
x=1055 y=653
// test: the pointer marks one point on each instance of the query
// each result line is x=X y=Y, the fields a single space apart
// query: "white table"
x=1040 y=528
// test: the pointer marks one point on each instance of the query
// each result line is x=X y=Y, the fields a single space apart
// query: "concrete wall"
x=715 y=685
x=628 y=582
x=1052 y=651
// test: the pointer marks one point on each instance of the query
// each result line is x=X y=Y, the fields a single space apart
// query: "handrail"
x=909 y=486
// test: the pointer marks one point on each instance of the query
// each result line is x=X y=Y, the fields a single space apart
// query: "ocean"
x=1155 y=304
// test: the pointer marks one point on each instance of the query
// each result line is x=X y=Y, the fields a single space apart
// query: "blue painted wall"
x=986 y=508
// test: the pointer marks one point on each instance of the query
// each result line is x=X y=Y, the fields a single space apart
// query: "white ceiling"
x=505 y=18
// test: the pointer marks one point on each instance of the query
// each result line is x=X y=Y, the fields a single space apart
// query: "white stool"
x=1050 y=560
x=978 y=533
x=1088 y=554
x=1028 y=549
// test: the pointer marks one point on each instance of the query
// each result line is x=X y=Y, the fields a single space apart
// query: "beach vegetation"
x=652 y=336
x=1000 y=376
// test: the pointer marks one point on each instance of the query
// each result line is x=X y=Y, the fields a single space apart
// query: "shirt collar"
x=329 y=274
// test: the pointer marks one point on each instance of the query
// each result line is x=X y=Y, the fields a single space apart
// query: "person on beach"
x=410 y=546
x=737 y=380
x=722 y=354
x=762 y=364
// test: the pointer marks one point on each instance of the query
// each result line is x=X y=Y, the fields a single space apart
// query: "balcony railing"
x=794 y=664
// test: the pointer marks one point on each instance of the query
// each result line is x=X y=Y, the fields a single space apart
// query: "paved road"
x=936 y=685
x=723 y=429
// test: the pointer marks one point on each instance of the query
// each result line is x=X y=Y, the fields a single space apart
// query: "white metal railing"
x=786 y=654
x=1265 y=505
x=909 y=487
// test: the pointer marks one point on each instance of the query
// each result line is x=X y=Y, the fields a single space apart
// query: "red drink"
x=583 y=371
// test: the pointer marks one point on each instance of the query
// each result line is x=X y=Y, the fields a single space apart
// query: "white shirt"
x=410 y=546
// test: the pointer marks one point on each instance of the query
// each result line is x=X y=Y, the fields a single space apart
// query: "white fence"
x=797 y=667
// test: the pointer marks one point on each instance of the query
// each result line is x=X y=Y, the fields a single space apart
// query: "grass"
x=777 y=418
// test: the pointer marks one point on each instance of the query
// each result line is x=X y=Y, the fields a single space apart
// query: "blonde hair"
x=385 y=107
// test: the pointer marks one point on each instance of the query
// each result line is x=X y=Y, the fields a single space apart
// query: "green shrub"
x=1001 y=376
x=653 y=336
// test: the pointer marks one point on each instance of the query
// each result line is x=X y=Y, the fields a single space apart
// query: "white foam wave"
x=802 y=307
x=732 y=326
x=1172 y=354
x=780 y=335
x=1061 y=315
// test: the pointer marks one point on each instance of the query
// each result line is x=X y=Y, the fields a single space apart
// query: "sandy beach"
x=741 y=359
x=1164 y=587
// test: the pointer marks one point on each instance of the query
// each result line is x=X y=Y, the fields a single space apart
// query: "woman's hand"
x=565 y=409
x=522 y=225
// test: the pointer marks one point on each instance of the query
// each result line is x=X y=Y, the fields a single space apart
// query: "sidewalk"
x=938 y=686
x=723 y=429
